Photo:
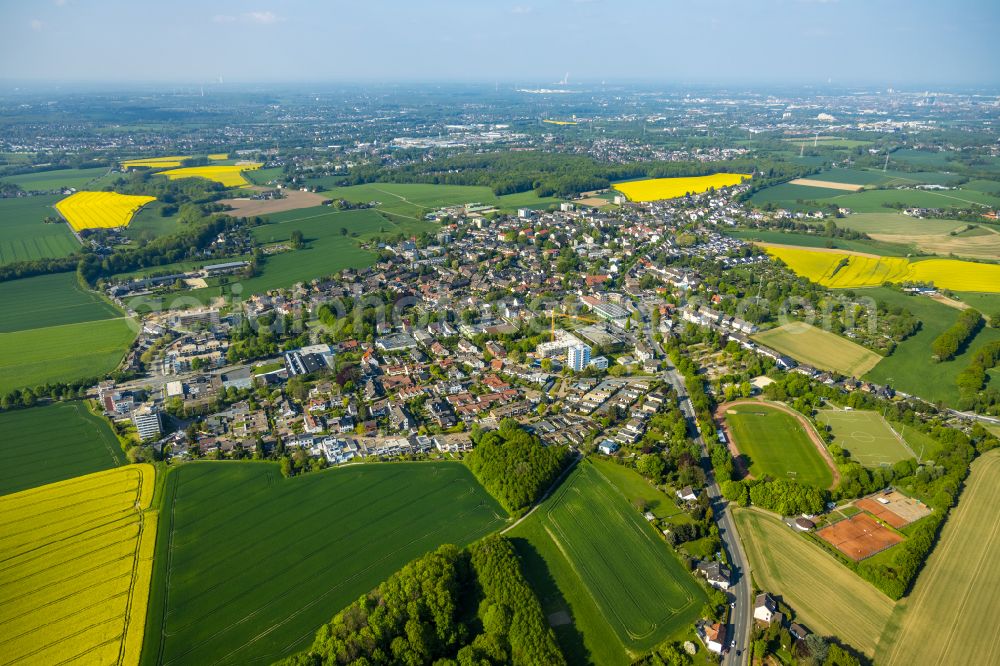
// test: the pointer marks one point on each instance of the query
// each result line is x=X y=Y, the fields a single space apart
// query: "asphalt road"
x=741 y=592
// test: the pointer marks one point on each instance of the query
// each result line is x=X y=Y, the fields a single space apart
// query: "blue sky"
x=884 y=42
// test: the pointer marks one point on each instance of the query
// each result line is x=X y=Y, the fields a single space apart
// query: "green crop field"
x=941 y=621
x=148 y=223
x=59 y=179
x=262 y=176
x=818 y=240
x=910 y=368
x=827 y=597
x=249 y=564
x=820 y=349
x=850 y=176
x=75 y=564
x=776 y=444
x=829 y=142
x=23 y=234
x=47 y=444
x=49 y=300
x=608 y=581
x=873 y=201
x=54 y=330
x=787 y=194
x=63 y=353
x=414 y=200
x=867 y=436
x=897 y=223
x=634 y=486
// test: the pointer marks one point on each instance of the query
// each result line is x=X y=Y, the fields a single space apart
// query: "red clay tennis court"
x=894 y=508
x=859 y=537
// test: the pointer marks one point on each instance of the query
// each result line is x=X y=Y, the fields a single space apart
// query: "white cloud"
x=59 y=3
x=520 y=9
x=259 y=18
x=262 y=18
x=36 y=25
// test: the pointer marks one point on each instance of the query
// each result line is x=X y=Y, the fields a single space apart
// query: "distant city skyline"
x=840 y=42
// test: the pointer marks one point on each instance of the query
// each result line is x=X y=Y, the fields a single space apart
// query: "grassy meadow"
x=54 y=330
x=23 y=234
x=941 y=621
x=75 y=563
x=820 y=349
x=415 y=200
x=910 y=368
x=252 y=579
x=53 y=443
x=50 y=300
x=827 y=597
x=59 y=179
x=596 y=564
x=774 y=443
x=63 y=353
x=887 y=249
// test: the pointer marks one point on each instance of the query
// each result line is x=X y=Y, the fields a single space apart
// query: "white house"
x=713 y=636
x=764 y=608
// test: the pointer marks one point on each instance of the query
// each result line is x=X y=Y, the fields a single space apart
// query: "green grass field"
x=63 y=353
x=148 y=223
x=262 y=176
x=607 y=575
x=49 y=300
x=47 y=444
x=909 y=368
x=820 y=349
x=827 y=597
x=867 y=436
x=633 y=486
x=414 y=200
x=776 y=444
x=23 y=234
x=249 y=564
x=59 y=179
x=828 y=142
x=816 y=240
x=872 y=201
x=897 y=223
x=940 y=622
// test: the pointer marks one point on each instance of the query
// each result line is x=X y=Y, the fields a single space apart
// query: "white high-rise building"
x=579 y=357
x=147 y=421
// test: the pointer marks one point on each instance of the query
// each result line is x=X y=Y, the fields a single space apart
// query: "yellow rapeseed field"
x=76 y=559
x=100 y=210
x=655 y=189
x=219 y=156
x=826 y=269
x=559 y=122
x=156 y=162
x=227 y=174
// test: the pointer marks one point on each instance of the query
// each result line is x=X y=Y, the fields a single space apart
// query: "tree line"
x=449 y=607
x=946 y=345
x=513 y=465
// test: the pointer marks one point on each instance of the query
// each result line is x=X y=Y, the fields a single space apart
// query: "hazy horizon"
x=890 y=43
